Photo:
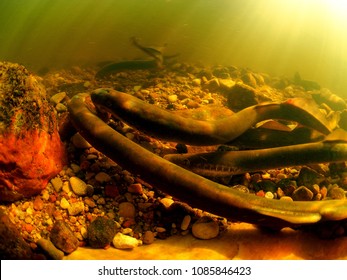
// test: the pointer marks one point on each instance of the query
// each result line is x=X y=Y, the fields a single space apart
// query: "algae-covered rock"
x=101 y=232
x=31 y=152
x=63 y=237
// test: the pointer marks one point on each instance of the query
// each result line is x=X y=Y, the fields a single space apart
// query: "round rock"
x=78 y=186
x=127 y=210
x=205 y=228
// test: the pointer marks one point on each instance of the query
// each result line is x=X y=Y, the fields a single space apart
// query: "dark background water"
x=273 y=36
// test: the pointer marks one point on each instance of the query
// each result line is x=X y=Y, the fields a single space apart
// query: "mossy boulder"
x=31 y=152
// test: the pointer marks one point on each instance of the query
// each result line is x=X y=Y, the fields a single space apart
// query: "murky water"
x=272 y=36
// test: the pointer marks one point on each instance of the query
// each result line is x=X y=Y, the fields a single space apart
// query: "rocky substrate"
x=94 y=202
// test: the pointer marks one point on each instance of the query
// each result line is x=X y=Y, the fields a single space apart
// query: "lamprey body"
x=168 y=126
x=189 y=187
x=239 y=162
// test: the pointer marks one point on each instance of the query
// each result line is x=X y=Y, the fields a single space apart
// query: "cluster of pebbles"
x=94 y=202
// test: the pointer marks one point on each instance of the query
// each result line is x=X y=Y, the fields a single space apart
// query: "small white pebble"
x=122 y=241
x=269 y=195
x=64 y=204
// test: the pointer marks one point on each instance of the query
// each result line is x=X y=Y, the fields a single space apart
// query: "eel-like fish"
x=169 y=126
x=191 y=188
x=125 y=65
x=157 y=62
x=226 y=163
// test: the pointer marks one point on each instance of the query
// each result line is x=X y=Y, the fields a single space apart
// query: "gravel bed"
x=93 y=186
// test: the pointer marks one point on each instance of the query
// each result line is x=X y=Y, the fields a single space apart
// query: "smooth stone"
x=196 y=82
x=78 y=186
x=122 y=241
x=61 y=108
x=127 y=210
x=185 y=222
x=269 y=195
x=102 y=177
x=205 y=228
x=172 y=98
x=58 y=97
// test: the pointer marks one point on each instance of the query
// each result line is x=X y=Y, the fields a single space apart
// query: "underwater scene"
x=173 y=129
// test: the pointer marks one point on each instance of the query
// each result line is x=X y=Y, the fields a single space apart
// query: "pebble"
x=135 y=188
x=66 y=187
x=45 y=195
x=78 y=186
x=122 y=241
x=79 y=142
x=302 y=194
x=58 y=97
x=205 y=228
x=336 y=193
x=38 y=203
x=61 y=108
x=148 y=237
x=226 y=83
x=101 y=201
x=308 y=177
x=127 y=210
x=75 y=167
x=196 y=82
x=57 y=184
x=286 y=198
x=185 y=222
x=63 y=237
x=269 y=195
x=166 y=202
x=101 y=232
x=160 y=229
x=64 y=204
x=172 y=98
x=127 y=231
x=76 y=208
x=103 y=177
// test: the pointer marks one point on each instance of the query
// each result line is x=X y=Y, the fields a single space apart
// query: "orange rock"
x=31 y=152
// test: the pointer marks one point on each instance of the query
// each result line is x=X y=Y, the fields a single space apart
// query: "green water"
x=273 y=36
